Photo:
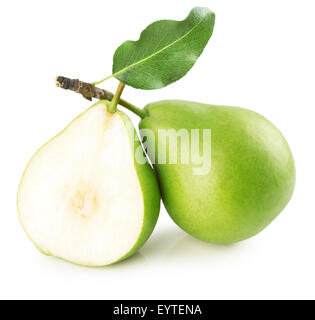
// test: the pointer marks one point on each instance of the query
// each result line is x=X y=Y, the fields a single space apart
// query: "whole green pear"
x=252 y=174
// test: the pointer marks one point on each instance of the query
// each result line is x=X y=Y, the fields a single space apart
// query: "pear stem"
x=89 y=91
x=113 y=104
x=139 y=112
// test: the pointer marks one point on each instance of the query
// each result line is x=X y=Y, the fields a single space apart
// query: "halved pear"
x=83 y=196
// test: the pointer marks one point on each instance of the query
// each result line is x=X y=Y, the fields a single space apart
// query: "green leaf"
x=165 y=52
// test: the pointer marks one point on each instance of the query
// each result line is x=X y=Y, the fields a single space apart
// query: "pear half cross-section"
x=83 y=197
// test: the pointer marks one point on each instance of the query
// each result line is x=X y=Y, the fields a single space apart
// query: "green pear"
x=83 y=197
x=250 y=179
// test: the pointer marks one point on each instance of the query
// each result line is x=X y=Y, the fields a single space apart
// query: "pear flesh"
x=83 y=197
x=252 y=174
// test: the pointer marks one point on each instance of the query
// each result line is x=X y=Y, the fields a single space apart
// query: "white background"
x=261 y=56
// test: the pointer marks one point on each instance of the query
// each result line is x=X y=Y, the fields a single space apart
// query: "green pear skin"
x=252 y=176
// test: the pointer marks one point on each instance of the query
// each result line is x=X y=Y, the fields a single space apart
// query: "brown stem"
x=87 y=90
